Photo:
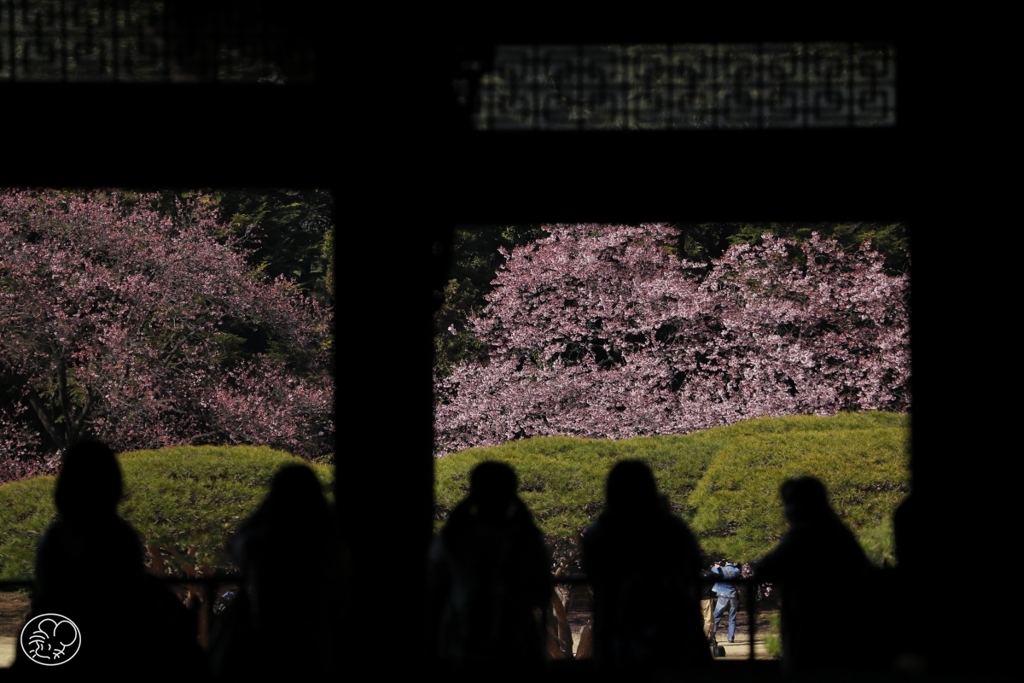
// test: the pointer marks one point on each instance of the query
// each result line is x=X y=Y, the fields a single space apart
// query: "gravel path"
x=13 y=610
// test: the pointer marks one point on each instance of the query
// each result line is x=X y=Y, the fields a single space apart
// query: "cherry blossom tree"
x=600 y=331
x=122 y=323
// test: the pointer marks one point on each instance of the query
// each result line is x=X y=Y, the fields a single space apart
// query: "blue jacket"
x=726 y=590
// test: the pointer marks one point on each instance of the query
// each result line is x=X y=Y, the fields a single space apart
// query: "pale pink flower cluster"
x=600 y=331
x=113 y=321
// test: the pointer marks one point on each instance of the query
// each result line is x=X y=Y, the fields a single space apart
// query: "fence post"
x=752 y=612
x=205 y=613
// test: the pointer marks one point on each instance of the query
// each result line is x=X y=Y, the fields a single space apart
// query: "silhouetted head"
x=295 y=493
x=631 y=488
x=493 y=485
x=89 y=482
x=805 y=499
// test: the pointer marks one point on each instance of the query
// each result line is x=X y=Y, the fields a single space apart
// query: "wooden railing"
x=202 y=593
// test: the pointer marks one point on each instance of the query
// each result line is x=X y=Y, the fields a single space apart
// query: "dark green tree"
x=476 y=256
x=286 y=231
x=706 y=241
x=283 y=231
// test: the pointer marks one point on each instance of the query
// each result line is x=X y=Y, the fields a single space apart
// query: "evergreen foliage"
x=285 y=232
x=477 y=254
x=708 y=241
x=863 y=466
x=724 y=481
x=282 y=232
x=185 y=500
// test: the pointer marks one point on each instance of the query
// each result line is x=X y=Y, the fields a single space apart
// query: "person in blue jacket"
x=728 y=596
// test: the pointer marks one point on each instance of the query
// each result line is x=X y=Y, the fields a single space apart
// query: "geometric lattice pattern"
x=138 y=41
x=686 y=86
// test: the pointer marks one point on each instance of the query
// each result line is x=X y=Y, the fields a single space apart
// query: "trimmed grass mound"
x=863 y=464
x=186 y=500
x=561 y=479
x=724 y=482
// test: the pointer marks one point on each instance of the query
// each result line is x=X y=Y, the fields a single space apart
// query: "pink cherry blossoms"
x=121 y=323
x=599 y=331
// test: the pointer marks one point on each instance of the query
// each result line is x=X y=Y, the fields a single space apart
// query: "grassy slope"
x=188 y=499
x=723 y=481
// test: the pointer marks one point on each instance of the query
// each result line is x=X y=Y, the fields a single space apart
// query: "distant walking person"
x=815 y=556
x=728 y=596
x=490 y=578
x=643 y=563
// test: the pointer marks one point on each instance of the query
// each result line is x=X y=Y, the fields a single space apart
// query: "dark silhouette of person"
x=707 y=598
x=489 y=581
x=644 y=565
x=90 y=569
x=821 y=572
x=922 y=533
x=286 y=619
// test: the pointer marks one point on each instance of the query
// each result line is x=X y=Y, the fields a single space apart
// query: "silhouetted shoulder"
x=643 y=563
x=73 y=553
x=490 y=574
